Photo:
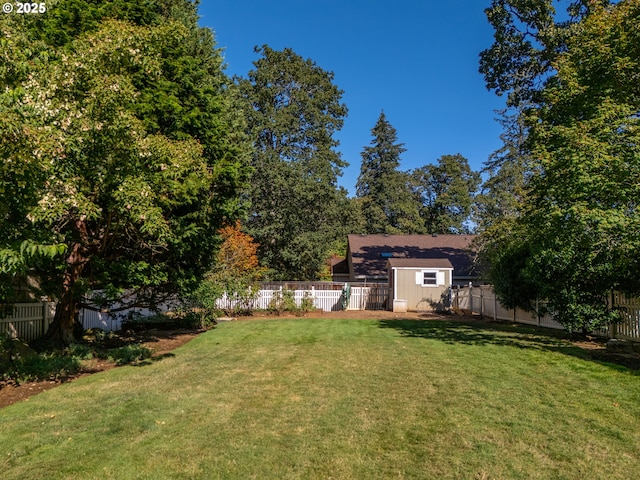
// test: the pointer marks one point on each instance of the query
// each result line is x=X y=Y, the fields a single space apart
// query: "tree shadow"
x=483 y=333
x=153 y=359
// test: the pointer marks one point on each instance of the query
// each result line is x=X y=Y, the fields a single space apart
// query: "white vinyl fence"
x=373 y=297
x=483 y=301
x=326 y=300
x=30 y=321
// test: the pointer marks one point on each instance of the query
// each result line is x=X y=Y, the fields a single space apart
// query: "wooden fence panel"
x=482 y=300
x=28 y=321
x=521 y=316
x=629 y=327
x=374 y=297
x=462 y=299
x=328 y=300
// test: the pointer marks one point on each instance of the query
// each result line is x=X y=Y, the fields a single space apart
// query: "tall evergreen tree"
x=297 y=210
x=383 y=190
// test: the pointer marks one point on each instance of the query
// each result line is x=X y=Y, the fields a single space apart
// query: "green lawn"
x=342 y=399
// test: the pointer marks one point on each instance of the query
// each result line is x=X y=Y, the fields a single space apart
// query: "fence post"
x=612 y=326
x=495 y=305
x=481 y=302
x=45 y=317
x=471 y=297
x=538 y=310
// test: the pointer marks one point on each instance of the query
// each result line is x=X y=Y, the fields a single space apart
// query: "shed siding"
x=418 y=297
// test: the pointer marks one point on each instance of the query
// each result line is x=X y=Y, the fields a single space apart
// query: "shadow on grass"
x=482 y=333
x=153 y=359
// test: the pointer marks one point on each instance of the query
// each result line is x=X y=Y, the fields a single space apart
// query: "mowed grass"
x=341 y=399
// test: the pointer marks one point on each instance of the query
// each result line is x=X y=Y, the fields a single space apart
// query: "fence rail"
x=482 y=300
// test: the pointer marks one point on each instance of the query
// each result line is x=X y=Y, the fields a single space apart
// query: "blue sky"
x=415 y=59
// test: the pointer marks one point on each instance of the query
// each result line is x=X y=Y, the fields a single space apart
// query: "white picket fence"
x=482 y=300
x=372 y=297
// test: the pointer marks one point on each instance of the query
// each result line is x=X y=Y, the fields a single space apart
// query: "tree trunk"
x=65 y=328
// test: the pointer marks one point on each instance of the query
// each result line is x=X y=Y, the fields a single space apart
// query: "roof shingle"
x=368 y=260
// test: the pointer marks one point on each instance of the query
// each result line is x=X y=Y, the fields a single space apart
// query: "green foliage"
x=509 y=171
x=45 y=366
x=529 y=36
x=307 y=304
x=126 y=150
x=430 y=199
x=128 y=354
x=199 y=318
x=446 y=194
x=282 y=301
x=383 y=190
x=297 y=211
x=20 y=364
x=81 y=351
x=575 y=236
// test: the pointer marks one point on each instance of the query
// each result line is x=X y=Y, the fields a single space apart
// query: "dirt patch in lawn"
x=160 y=342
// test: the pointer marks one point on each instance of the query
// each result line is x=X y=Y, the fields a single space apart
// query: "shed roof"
x=441 y=263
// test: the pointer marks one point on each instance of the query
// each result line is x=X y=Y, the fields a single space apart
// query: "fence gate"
x=374 y=297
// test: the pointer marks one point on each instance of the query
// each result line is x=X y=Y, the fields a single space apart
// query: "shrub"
x=282 y=301
x=128 y=354
x=46 y=366
x=80 y=350
x=307 y=305
x=19 y=363
x=198 y=318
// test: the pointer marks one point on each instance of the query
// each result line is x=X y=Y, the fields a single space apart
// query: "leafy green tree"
x=577 y=236
x=297 y=210
x=446 y=193
x=529 y=36
x=130 y=196
x=383 y=190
